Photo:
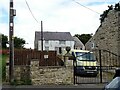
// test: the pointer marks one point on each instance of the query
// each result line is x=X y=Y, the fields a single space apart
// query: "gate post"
x=117 y=73
x=74 y=61
x=100 y=66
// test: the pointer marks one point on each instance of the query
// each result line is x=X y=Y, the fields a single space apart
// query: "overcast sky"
x=57 y=15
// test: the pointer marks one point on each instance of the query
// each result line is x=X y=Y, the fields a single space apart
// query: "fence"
x=106 y=64
x=45 y=58
x=27 y=68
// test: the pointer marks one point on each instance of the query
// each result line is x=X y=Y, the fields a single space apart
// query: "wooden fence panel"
x=24 y=56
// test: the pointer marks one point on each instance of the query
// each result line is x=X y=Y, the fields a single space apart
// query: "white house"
x=54 y=41
x=78 y=44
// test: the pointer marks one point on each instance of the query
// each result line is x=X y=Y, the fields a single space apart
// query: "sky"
x=56 y=15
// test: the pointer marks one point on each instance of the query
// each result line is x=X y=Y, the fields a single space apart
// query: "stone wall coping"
x=53 y=66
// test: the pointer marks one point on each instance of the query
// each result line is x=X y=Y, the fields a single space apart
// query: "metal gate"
x=106 y=64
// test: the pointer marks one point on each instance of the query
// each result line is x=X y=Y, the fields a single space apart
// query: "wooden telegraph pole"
x=41 y=36
x=12 y=13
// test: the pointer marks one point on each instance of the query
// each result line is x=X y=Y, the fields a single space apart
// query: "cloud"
x=57 y=15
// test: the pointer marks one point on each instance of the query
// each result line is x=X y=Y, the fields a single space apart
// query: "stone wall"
x=107 y=36
x=51 y=75
x=21 y=75
x=46 y=75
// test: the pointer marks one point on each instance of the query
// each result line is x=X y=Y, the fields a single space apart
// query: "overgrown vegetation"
x=3 y=66
x=111 y=7
x=22 y=82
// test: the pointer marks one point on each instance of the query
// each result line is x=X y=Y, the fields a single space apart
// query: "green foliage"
x=83 y=37
x=4 y=41
x=21 y=82
x=104 y=15
x=3 y=66
x=117 y=7
x=27 y=82
x=19 y=42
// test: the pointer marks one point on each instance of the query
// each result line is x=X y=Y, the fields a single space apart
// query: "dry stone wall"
x=51 y=75
x=46 y=75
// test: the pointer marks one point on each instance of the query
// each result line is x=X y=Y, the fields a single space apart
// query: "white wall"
x=70 y=44
x=52 y=44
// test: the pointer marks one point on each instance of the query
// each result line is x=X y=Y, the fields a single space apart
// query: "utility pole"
x=12 y=13
x=41 y=36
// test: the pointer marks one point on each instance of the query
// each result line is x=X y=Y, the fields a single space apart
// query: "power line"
x=72 y=0
x=31 y=11
x=85 y=7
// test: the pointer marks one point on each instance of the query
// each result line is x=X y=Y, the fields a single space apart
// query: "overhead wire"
x=31 y=11
x=72 y=0
x=86 y=7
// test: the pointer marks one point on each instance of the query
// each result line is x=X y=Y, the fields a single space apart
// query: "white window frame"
x=47 y=48
x=46 y=42
x=93 y=45
x=62 y=42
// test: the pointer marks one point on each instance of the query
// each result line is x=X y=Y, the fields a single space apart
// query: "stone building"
x=107 y=36
x=78 y=44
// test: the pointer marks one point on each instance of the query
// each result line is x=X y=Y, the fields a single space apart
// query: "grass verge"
x=3 y=66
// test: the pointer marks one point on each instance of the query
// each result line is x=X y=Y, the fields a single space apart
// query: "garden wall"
x=46 y=75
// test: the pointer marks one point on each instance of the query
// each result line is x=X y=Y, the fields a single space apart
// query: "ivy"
x=105 y=13
x=117 y=7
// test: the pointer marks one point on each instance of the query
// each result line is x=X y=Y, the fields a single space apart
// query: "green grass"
x=3 y=66
x=3 y=59
x=21 y=82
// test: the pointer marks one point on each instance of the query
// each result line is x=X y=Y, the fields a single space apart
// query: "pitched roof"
x=54 y=36
x=78 y=42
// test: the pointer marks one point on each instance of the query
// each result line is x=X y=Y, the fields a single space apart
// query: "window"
x=47 y=48
x=60 y=50
x=61 y=42
x=46 y=42
x=93 y=45
x=83 y=56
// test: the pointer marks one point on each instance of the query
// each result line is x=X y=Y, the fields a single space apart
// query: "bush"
x=21 y=82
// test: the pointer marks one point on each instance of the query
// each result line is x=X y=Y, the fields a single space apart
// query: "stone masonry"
x=107 y=36
x=46 y=75
x=51 y=75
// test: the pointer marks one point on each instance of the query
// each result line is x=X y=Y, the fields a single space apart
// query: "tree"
x=4 y=41
x=83 y=37
x=19 y=42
